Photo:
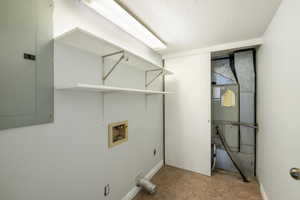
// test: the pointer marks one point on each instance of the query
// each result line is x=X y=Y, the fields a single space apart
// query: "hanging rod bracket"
x=105 y=76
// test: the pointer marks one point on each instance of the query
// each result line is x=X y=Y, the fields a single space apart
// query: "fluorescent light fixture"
x=117 y=15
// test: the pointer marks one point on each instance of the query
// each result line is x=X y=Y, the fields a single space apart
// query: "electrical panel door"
x=26 y=63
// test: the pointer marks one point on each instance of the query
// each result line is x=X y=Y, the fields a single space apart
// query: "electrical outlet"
x=154 y=152
x=106 y=190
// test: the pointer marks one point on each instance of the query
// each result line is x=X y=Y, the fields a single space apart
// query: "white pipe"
x=146 y=185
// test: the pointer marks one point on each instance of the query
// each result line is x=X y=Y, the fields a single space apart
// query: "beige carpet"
x=178 y=184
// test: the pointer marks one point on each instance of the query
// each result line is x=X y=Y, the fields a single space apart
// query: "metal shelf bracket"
x=105 y=76
x=147 y=83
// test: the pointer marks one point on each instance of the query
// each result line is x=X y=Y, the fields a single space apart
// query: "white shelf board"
x=107 y=89
x=87 y=41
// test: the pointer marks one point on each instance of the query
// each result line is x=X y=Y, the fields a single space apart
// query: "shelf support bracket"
x=105 y=76
x=153 y=79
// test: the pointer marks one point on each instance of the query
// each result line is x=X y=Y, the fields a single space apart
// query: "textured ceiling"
x=190 y=24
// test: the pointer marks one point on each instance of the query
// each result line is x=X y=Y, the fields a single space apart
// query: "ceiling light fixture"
x=117 y=15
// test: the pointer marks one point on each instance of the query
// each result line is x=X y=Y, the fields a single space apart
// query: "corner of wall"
x=263 y=192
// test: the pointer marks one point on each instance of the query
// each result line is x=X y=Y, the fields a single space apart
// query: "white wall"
x=188 y=134
x=278 y=104
x=69 y=159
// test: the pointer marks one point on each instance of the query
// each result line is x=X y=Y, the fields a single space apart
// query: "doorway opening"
x=234 y=111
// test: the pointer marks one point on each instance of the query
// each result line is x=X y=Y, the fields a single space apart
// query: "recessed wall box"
x=117 y=133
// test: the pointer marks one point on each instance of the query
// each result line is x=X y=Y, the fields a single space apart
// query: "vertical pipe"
x=164 y=115
x=103 y=83
x=239 y=116
x=255 y=111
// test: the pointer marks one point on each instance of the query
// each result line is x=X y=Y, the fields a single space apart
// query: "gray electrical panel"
x=26 y=63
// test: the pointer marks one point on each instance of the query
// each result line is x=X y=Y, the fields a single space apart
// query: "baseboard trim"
x=135 y=190
x=190 y=170
x=263 y=192
x=132 y=193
